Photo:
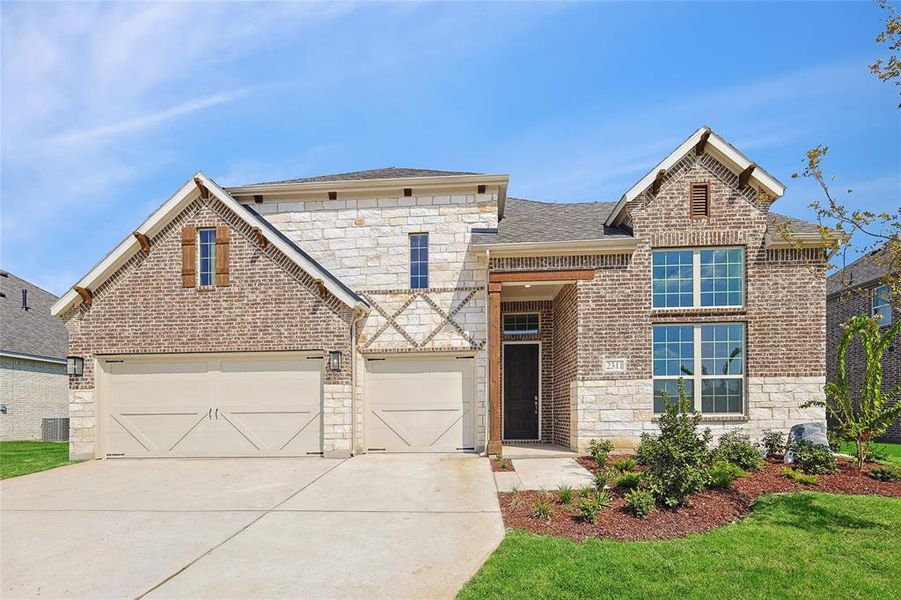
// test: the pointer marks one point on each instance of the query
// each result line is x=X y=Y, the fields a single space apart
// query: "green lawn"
x=892 y=451
x=807 y=545
x=22 y=458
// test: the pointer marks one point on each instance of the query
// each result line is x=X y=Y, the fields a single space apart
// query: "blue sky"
x=108 y=108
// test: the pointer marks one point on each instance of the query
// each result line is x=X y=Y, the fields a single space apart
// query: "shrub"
x=885 y=473
x=736 y=448
x=639 y=503
x=799 y=477
x=773 y=442
x=504 y=464
x=587 y=491
x=600 y=480
x=677 y=458
x=624 y=464
x=565 y=494
x=517 y=500
x=876 y=455
x=599 y=449
x=542 y=509
x=591 y=506
x=722 y=473
x=629 y=479
x=812 y=458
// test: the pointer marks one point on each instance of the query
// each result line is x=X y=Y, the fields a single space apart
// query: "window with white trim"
x=698 y=277
x=881 y=306
x=521 y=323
x=206 y=257
x=708 y=358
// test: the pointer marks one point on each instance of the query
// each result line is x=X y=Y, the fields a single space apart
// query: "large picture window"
x=710 y=360
x=703 y=277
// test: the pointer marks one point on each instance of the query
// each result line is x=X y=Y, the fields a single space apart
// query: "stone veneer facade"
x=611 y=316
x=839 y=308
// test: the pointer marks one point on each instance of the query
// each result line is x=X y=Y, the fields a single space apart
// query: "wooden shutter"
x=189 y=256
x=222 y=246
x=700 y=200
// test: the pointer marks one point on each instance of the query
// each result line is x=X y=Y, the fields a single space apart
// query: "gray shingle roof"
x=34 y=331
x=865 y=271
x=533 y=221
x=384 y=173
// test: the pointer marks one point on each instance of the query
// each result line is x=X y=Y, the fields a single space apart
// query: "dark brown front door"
x=521 y=391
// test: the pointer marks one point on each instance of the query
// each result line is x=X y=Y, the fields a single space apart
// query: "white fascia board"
x=796 y=240
x=568 y=248
x=284 y=248
x=160 y=218
x=722 y=150
x=34 y=357
x=372 y=185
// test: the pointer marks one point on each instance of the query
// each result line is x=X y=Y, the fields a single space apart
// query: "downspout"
x=357 y=315
x=487 y=350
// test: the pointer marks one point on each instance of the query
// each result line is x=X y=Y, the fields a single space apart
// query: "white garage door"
x=247 y=405
x=420 y=404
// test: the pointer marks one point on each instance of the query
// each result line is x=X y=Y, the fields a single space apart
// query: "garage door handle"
x=217 y=414
x=209 y=415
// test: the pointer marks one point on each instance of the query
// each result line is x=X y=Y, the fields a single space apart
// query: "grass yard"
x=22 y=458
x=805 y=545
x=891 y=451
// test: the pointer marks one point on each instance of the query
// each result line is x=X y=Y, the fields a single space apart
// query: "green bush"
x=628 y=479
x=677 y=458
x=722 y=473
x=587 y=491
x=624 y=464
x=565 y=494
x=600 y=480
x=800 y=477
x=736 y=448
x=599 y=450
x=591 y=506
x=812 y=458
x=773 y=442
x=639 y=503
x=542 y=509
x=885 y=473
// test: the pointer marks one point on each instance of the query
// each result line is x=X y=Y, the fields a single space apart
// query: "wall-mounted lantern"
x=74 y=366
x=334 y=360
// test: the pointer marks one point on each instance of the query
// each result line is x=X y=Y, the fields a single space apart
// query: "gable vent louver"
x=700 y=200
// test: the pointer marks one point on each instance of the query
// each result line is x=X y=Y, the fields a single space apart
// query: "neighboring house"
x=414 y=310
x=860 y=288
x=33 y=382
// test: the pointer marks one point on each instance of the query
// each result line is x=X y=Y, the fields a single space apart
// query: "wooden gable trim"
x=143 y=240
x=87 y=297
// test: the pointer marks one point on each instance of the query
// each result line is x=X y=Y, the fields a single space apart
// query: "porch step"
x=527 y=451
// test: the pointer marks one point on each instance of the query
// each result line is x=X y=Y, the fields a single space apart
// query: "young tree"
x=865 y=414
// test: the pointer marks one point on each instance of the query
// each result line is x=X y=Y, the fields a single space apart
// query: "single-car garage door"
x=421 y=404
x=213 y=406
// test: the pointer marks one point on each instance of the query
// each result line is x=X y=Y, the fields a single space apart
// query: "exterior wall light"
x=74 y=366
x=334 y=360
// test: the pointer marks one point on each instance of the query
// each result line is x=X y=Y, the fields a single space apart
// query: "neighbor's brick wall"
x=31 y=390
x=546 y=337
x=840 y=308
x=270 y=305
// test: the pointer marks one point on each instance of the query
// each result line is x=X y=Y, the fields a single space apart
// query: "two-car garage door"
x=215 y=405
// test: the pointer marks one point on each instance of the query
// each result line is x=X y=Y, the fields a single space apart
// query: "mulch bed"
x=703 y=511
x=502 y=465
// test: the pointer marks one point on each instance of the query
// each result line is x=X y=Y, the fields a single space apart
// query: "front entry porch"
x=531 y=360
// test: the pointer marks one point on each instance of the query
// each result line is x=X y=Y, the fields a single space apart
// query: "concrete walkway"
x=543 y=474
x=399 y=526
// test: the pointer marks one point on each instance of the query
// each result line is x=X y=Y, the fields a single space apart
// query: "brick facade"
x=31 y=390
x=841 y=307
x=269 y=305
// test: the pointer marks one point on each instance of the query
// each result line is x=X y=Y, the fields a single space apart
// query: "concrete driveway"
x=400 y=526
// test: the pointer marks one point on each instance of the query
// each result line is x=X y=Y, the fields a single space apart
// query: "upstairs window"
x=419 y=260
x=699 y=202
x=882 y=305
x=521 y=324
x=206 y=267
x=708 y=277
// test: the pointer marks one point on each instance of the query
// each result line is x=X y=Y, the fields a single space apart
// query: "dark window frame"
x=419 y=260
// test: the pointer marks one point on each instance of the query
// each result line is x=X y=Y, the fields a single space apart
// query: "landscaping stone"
x=812 y=432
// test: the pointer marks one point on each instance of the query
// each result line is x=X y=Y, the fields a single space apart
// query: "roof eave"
x=559 y=248
x=372 y=185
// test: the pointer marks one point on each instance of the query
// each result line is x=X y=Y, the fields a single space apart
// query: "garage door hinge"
x=114 y=361
x=374 y=359
x=462 y=357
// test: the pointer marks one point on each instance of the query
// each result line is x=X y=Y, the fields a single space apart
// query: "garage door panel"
x=218 y=406
x=419 y=405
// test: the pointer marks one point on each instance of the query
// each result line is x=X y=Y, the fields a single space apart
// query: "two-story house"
x=402 y=310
